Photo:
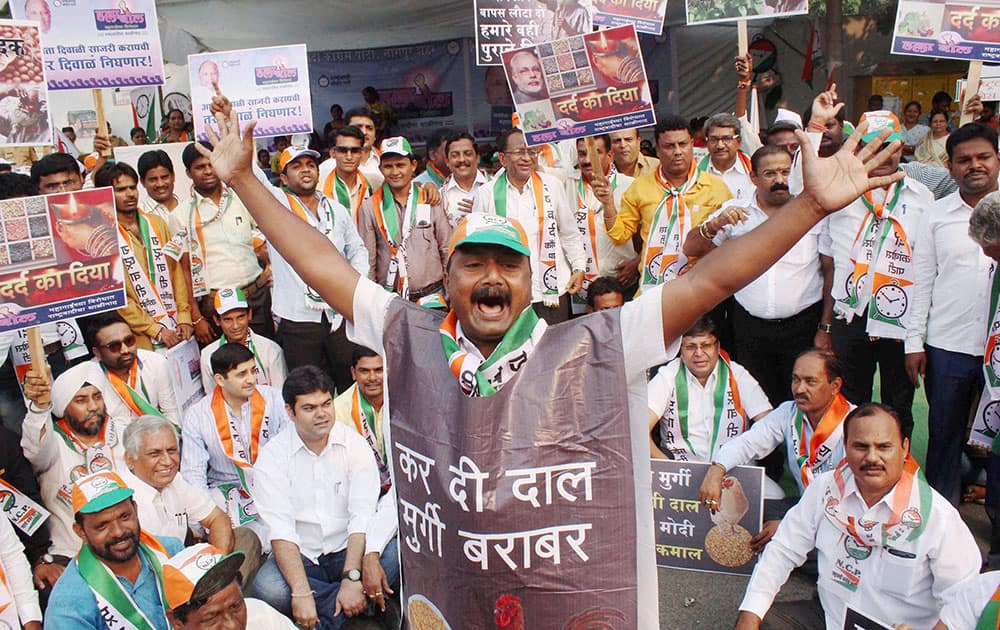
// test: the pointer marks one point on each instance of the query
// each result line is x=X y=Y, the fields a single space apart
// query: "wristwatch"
x=827 y=328
x=353 y=575
x=45 y=559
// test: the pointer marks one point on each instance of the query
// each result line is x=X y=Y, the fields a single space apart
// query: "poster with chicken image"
x=689 y=535
x=24 y=97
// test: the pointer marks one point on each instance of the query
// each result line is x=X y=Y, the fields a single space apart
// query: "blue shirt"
x=73 y=606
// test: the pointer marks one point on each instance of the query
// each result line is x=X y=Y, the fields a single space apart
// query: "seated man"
x=701 y=400
x=362 y=408
x=167 y=504
x=888 y=545
x=316 y=486
x=233 y=315
x=224 y=431
x=202 y=590
x=114 y=581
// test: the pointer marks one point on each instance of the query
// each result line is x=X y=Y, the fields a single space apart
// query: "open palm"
x=231 y=154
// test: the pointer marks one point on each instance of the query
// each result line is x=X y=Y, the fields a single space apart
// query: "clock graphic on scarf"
x=890 y=301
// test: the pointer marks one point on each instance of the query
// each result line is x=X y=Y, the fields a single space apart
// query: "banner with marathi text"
x=646 y=15
x=59 y=258
x=502 y=25
x=952 y=30
x=96 y=43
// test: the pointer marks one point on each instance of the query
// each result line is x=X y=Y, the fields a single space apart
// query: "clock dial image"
x=890 y=301
x=991 y=417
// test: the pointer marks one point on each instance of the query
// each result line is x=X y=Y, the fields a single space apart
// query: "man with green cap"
x=114 y=582
x=493 y=381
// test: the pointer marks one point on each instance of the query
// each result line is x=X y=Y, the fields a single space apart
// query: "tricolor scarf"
x=194 y=234
x=97 y=457
x=814 y=455
x=586 y=223
x=887 y=281
x=9 y=617
x=547 y=231
x=743 y=158
x=396 y=233
x=20 y=510
x=986 y=428
x=241 y=450
x=363 y=415
x=150 y=278
x=261 y=372
x=727 y=412
x=485 y=378
x=911 y=508
x=435 y=175
x=129 y=391
x=989 y=619
x=336 y=187
x=164 y=137
x=118 y=609
x=663 y=258
x=324 y=222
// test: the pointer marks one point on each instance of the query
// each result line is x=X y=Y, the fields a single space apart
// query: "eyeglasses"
x=349 y=150
x=520 y=153
x=116 y=346
x=721 y=139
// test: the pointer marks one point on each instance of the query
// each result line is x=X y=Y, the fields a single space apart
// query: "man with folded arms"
x=114 y=582
x=889 y=546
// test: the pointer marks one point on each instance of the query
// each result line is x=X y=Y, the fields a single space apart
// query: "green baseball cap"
x=99 y=491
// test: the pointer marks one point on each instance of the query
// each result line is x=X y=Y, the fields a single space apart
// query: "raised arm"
x=830 y=184
x=310 y=253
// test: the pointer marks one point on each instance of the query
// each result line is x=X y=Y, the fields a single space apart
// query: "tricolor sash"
x=150 y=277
x=261 y=372
x=96 y=457
x=324 y=222
x=336 y=187
x=363 y=415
x=547 y=231
x=118 y=609
x=662 y=256
x=741 y=156
x=728 y=416
x=8 y=608
x=485 y=378
x=911 y=508
x=128 y=391
x=193 y=233
x=989 y=619
x=241 y=450
x=586 y=223
x=813 y=456
x=986 y=427
x=396 y=233
x=435 y=175
x=883 y=269
x=20 y=510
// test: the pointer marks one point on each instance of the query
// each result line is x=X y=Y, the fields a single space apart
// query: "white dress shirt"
x=570 y=255
x=271 y=356
x=452 y=194
x=170 y=511
x=964 y=602
x=951 y=294
x=370 y=169
x=641 y=321
x=154 y=378
x=737 y=179
x=787 y=287
x=20 y=581
x=266 y=618
x=840 y=229
x=610 y=255
x=767 y=434
x=150 y=206
x=905 y=587
x=316 y=501
x=701 y=403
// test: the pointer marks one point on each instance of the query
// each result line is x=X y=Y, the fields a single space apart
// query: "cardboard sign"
x=952 y=30
x=24 y=97
x=709 y=11
x=646 y=15
x=185 y=373
x=854 y=620
x=502 y=25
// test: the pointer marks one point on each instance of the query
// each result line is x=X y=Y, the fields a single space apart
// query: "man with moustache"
x=629 y=160
x=946 y=334
x=437 y=170
x=888 y=545
x=775 y=316
x=527 y=78
x=114 y=581
x=459 y=190
x=156 y=173
x=158 y=309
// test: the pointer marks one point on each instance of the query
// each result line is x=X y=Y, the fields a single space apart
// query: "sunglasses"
x=116 y=346
x=349 y=150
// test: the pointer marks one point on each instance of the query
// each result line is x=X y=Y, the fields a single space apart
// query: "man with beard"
x=223 y=247
x=459 y=190
x=156 y=172
x=115 y=580
x=139 y=378
x=158 y=309
x=775 y=316
x=437 y=170
x=489 y=288
x=67 y=434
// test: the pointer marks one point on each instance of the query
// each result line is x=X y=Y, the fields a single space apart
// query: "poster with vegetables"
x=708 y=11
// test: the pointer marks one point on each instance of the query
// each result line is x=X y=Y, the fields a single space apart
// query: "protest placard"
x=185 y=373
x=854 y=620
x=688 y=535
x=989 y=89
x=269 y=85
x=709 y=11
x=96 y=43
x=502 y=25
x=952 y=30
x=646 y=15
x=581 y=86
x=24 y=97
x=59 y=258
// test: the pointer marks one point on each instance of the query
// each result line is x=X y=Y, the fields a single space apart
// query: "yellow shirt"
x=643 y=197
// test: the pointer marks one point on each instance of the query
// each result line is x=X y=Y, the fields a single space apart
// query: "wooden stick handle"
x=744 y=39
x=971 y=88
x=39 y=363
x=102 y=122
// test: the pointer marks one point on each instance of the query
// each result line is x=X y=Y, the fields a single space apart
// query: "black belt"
x=252 y=288
x=790 y=318
x=415 y=295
